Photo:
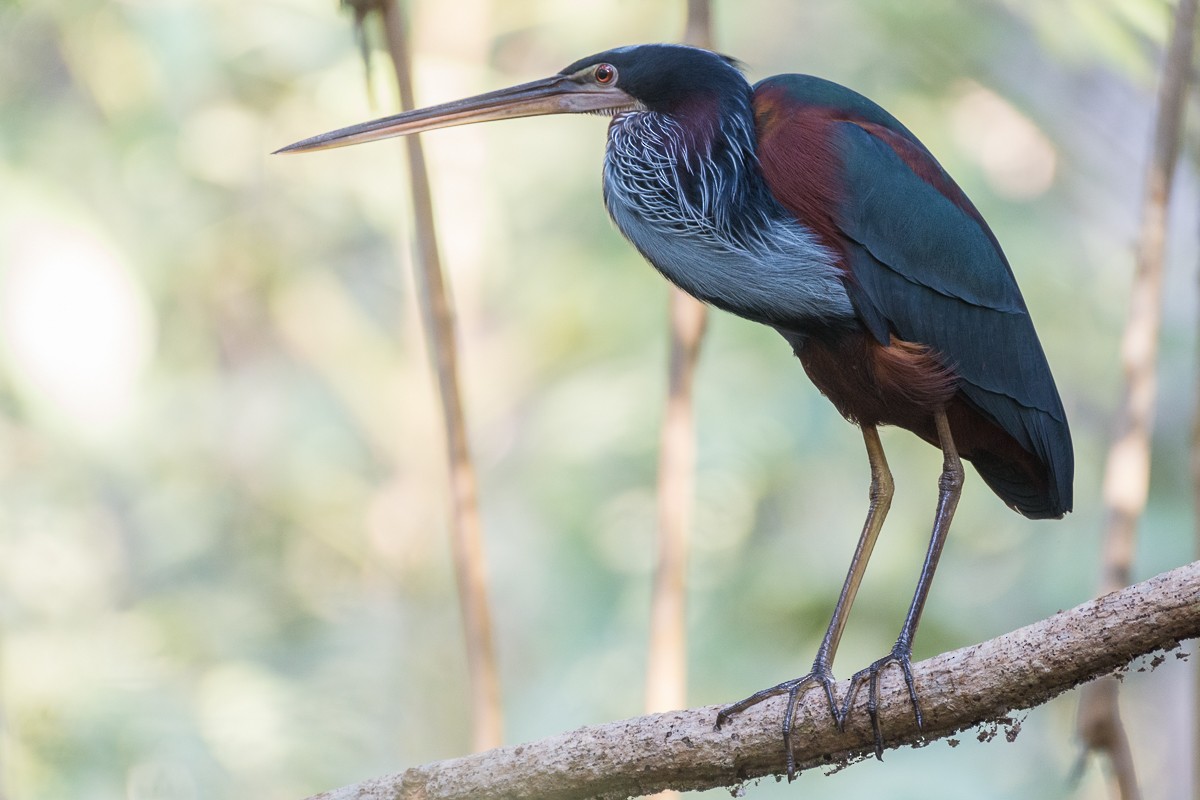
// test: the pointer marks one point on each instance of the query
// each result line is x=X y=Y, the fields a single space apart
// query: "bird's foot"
x=902 y=655
x=821 y=674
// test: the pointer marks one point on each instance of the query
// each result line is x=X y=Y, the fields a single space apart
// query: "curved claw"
x=901 y=655
x=820 y=674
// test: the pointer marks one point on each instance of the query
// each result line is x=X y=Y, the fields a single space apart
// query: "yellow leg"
x=882 y=489
x=949 y=489
x=881 y=492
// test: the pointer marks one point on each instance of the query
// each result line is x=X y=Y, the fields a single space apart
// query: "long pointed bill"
x=558 y=94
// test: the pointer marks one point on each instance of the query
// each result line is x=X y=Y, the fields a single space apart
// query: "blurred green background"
x=223 y=563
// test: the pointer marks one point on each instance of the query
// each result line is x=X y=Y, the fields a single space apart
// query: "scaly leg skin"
x=881 y=500
x=949 y=488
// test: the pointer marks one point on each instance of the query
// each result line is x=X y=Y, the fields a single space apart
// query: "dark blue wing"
x=928 y=269
x=923 y=265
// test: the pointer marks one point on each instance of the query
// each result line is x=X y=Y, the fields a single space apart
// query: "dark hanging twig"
x=361 y=9
x=1127 y=471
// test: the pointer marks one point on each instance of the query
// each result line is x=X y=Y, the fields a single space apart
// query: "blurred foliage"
x=222 y=561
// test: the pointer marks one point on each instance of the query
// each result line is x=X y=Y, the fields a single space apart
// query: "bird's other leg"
x=880 y=501
x=949 y=488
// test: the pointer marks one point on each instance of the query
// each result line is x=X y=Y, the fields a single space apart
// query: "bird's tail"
x=1034 y=479
x=1023 y=491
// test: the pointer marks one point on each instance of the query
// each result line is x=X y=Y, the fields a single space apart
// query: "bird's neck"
x=693 y=167
x=686 y=189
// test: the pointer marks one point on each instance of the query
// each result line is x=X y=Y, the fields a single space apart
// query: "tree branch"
x=960 y=689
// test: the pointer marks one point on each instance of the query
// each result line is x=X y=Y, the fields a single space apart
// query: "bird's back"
x=927 y=280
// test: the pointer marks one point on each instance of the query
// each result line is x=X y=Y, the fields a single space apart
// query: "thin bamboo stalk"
x=666 y=662
x=666 y=668
x=438 y=318
x=1127 y=470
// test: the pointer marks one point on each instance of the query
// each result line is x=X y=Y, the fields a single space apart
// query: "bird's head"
x=653 y=77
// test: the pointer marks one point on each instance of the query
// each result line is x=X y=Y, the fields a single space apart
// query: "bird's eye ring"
x=605 y=74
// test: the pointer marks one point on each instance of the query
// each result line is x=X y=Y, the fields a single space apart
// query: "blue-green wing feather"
x=925 y=267
x=935 y=273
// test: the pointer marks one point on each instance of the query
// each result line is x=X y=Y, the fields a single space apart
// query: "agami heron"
x=802 y=205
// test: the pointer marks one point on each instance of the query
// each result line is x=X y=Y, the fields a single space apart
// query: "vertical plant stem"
x=438 y=317
x=666 y=669
x=666 y=672
x=1127 y=470
x=1195 y=467
x=697 y=30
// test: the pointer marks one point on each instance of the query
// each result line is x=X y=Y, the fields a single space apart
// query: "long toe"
x=901 y=656
x=821 y=674
x=792 y=688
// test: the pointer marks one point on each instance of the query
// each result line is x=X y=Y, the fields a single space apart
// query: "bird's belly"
x=898 y=383
x=781 y=277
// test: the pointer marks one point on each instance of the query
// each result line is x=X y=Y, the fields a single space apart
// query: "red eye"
x=605 y=74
